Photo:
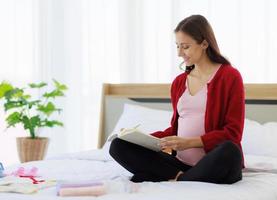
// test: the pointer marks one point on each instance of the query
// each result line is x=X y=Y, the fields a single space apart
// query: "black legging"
x=221 y=165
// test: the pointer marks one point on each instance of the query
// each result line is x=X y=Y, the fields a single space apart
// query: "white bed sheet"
x=260 y=182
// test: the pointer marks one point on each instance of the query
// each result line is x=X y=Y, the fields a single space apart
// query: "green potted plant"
x=33 y=113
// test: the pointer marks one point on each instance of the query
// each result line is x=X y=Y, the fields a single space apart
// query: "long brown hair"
x=200 y=29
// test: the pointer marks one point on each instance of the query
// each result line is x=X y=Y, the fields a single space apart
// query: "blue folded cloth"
x=1 y=170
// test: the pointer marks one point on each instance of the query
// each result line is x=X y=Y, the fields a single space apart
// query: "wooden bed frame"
x=253 y=92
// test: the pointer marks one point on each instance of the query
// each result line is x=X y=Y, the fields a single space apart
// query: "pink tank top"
x=191 y=121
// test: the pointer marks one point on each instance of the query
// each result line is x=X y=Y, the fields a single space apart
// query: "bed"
x=126 y=105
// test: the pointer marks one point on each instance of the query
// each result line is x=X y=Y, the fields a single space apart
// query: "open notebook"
x=136 y=136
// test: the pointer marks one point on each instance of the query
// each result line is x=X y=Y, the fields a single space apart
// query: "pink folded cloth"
x=96 y=190
x=21 y=171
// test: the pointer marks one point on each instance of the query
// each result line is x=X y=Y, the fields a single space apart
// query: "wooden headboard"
x=257 y=94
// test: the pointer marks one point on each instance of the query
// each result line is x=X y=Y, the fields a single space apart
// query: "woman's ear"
x=204 y=44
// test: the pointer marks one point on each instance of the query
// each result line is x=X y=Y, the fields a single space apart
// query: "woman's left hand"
x=175 y=143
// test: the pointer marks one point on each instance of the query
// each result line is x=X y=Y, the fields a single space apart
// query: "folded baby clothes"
x=83 y=191
x=22 y=171
x=84 y=188
x=23 y=185
x=95 y=188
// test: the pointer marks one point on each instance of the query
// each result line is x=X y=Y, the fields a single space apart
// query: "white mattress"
x=259 y=181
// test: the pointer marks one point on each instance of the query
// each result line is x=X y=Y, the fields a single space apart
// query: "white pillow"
x=254 y=163
x=150 y=119
x=260 y=139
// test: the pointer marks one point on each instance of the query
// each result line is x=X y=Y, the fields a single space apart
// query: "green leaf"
x=13 y=119
x=58 y=92
x=59 y=86
x=35 y=121
x=32 y=103
x=53 y=123
x=29 y=125
x=26 y=122
x=11 y=104
x=53 y=94
x=21 y=102
x=4 y=87
x=14 y=93
x=37 y=85
x=48 y=109
x=27 y=96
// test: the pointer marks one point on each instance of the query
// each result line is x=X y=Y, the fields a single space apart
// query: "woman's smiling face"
x=189 y=49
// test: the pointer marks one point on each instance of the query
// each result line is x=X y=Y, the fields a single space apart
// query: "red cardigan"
x=225 y=109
